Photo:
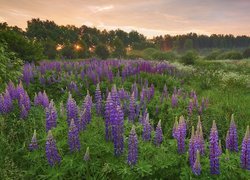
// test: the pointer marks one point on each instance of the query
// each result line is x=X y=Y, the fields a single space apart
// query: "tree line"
x=46 y=39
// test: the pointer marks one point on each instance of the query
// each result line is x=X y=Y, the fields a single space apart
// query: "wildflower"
x=52 y=154
x=132 y=147
x=245 y=151
x=51 y=116
x=214 y=150
x=73 y=137
x=181 y=135
x=72 y=110
x=146 y=133
x=98 y=99
x=174 y=131
x=196 y=168
x=233 y=139
x=158 y=134
x=33 y=144
x=132 y=109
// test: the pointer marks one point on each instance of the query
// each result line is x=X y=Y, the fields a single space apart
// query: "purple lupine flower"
x=108 y=110
x=83 y=120
x=146 y=133
x=51 y=116
x=174 y=101
x=98 y=99
x=45 y=100
x=245 y=151
x=132 y=109
x=114 y=95
x=181 y=134
x=158 y=134
x=233 y=139
x=117 y=118
x=214 y=150
x=3 y=109
x=86 y=156
x=196 y=167
x=73 y=137
x=72 y=110
x=192 y=148
x=33 y=144
x=52 y=154
x=132 y=147
x=87 y=104
x=152 y=91
x=190 y=108
x=23 y=112
x=7 y=101
x=175 y=128
x=12 y=90
x=200 y=138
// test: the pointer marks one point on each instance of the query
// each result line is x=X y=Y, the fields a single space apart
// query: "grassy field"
x=224 y=83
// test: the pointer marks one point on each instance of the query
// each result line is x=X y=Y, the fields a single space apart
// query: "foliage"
x=101 y=51
x=10 y=65
x=246 y=53
x=189 y=58
x=230 y=55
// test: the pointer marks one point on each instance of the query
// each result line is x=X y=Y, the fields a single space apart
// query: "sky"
x=150 y=17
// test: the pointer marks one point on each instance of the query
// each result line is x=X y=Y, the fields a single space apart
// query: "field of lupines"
x=120 y=119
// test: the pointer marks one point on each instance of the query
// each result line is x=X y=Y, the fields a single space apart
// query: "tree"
x=188 y=45
x=119 y=49
x=10 y=65
x=102 y=51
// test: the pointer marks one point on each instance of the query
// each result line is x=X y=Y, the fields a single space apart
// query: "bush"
x=189 y=58
x=170 y=56
x=233 y=55
x=101 y=51
x=246 y=53
x=213 y=55
x=10 y=65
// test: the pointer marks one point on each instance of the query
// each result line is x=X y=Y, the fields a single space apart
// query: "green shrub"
x=246 y=53
x=233 y=55
x=102 y=51
x=170 y=56
x=189 y=58
x=213 y=55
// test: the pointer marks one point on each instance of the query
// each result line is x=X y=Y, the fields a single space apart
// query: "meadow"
x=126 y=119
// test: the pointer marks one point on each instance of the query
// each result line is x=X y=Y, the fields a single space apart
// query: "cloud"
x=96 y=9
x=151 y=17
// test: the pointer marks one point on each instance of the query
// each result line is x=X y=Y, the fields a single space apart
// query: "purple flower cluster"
x=87 y=105
x=72 y=111
x=175 y=128
x=117 y=118
x=132 y=110
x=52 y=154
x=200 y=138
x=41 y=99
x=158 y=134
x=132 y=147
x=51 y=116
x=181 y=135
x=214 y=150
x=147 y=128
x=245 y=151
x=73 y=137
x=98 y=99
x=174 y=101
x=232 y=138
x=108 y=111
x=33 y=144
x=115 y=95
x=196 y=167
x=5 y=103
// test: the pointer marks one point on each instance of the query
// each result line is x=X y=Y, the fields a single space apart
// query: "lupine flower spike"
x=214 y=150
x=33 y=144
x=245 y=151
x=158 y=134
x=52 y=154
x=196 y=168
x=73 y=137
x=175 y=128
x=233 y=138
x=132 y=147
